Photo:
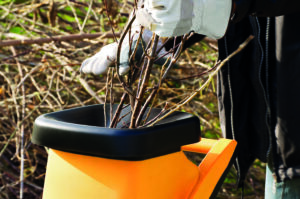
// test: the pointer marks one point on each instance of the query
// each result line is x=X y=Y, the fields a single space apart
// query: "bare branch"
x=56 y=39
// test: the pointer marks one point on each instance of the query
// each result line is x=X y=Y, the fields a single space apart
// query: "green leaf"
x=17 y=30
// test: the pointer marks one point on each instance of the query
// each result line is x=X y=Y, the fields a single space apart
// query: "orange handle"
x=213 y=166
x=200 y=147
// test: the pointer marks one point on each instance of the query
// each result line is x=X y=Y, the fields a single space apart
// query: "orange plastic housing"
x=74 y=176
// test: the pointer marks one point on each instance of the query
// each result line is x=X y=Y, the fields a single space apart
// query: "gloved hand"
x=177 y=17
x=107 y=56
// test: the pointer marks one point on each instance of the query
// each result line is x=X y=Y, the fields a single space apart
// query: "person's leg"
x=289 y=189
x=273 y=190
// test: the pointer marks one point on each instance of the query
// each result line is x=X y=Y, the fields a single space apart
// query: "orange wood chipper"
x=89 y=161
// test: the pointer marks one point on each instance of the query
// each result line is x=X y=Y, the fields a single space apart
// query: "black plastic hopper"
x=82 y=131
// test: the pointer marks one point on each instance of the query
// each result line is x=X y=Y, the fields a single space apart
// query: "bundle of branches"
x=144 y=92
x=141 y=70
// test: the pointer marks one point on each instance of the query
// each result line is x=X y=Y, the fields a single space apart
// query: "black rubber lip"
x=81 y=130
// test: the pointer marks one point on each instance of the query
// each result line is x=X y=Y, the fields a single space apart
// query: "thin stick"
x=87 y=14
x=114 y=120
x=132 y=57
x=111 y=93
x=149 y=99
x=56 y=38
x=110 y=21
x=175 y=57
x=57 y=91
x=120 y=78
x=106 y=96
x=75 y=16
x=152 y=98
x=156 y=117
x=126 y=29
x=200 y=74
x=22 y=126
x=141 y=70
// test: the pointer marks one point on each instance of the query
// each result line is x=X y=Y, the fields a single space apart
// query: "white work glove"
x=177 y=17
x=107 y=56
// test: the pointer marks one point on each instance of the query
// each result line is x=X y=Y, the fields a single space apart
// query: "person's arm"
x=191 y=41
x=169 y=18
x=264 y=8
